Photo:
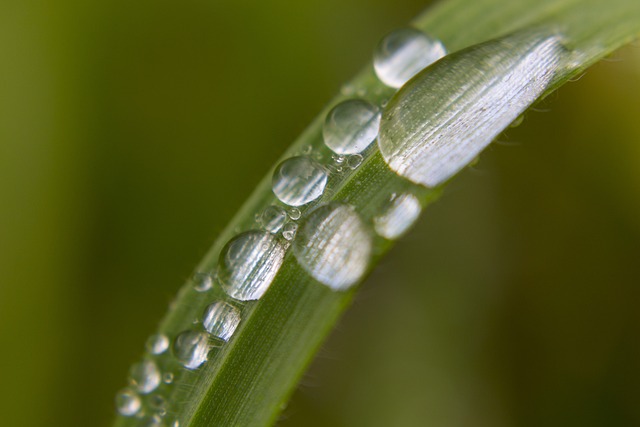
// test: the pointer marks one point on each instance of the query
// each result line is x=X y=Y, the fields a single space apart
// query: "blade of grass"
x=249 y=379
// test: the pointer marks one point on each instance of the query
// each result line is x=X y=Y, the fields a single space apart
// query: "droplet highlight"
x=157 y=344
x=400 y=55
x=298 y=181
x=221 y=320
x=127 y=403
x=351 y=126
x=443 y=118
x=334 y=245
x=399 y=215
x=191 y=348
x=249 y=263
x=145 y=376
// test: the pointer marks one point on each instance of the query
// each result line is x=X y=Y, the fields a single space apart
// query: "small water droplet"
x=145 y=376
x=338 y=158
x=273 y=218
x=202 y=282
x=157 y=344
x=401 y=54
x=334 y=245
x=191 y=348
x=399 y=214
x=354 y=161
x=295 y=214
x=249 y=263
x=298 y=181
x=127 y=402
x=517 y=122
x=157 y=402
x=351 y=126
x=168 y=378
x=154 y=421
x=221 y=319
x=289 y=231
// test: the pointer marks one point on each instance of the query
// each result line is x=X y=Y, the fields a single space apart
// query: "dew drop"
x=127 y=403
x=167 y=378
x=154 y=421
x=351 y=126
x=191 y=348
x=444 y=117
x=157 y=344
x=399 y=214
x=401 y=54
x=273 y=218
x=249 y=263
x=295 y=214
x=221 y=319
x=157 y=402
x=145 y=376
x=202 y=282
x=290 y=230
x=354 y=161
x=334 y=245
x=299 y=180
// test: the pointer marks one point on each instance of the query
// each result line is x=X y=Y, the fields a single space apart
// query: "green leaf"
x=247 y=380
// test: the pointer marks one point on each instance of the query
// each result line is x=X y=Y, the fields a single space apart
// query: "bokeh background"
x=130 y=132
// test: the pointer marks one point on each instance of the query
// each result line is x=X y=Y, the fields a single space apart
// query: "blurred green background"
x=130 y=132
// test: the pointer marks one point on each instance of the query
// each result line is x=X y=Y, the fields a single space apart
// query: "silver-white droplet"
x=191 y=348
x=221 y=319
x=298 y=181
x=157 y=344
x=351 y=126
x=249 y=263
x=145 y=376
x=400 y=55
x=399 y=214
x=273 y=218
x=127 y=402
x=334 y=245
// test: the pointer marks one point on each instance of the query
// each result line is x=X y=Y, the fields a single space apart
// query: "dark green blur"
x=130 y=132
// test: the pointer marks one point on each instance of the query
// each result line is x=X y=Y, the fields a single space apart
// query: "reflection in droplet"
x=157 y=344
x=334 y=245
x=145 y=376
x=127 y=402
x=444 y=117
x=403 y=53
x=399 y=214
x=191 y=348
x=167 y=378
x=298 y=181
x=249 y=263
x=202 y=282
x=221 y=320
x=273 y=218
x=351 y=126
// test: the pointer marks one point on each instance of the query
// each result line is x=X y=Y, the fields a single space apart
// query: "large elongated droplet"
x=399 y=214
x=249 y=263
x=221 y=319
x=191 y=348
x=334 y=245
x=444 y=117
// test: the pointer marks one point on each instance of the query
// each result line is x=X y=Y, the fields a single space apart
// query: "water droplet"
x=145 y=376
x=157 y=344
x=298 y=181
x=273 y=218
x=441 y=120
x=202 y=282
x=401 y=54
x=127 y=402
x=334 y=245
x=191 y=348
x=338 y=158
x=399 y=214
x=221 y=319
x=290 y=230
x=168 y=378
x=517 y=122
x=351 y=126
x=249 y=263
x=154 y=421
x=157 y=402
x=295 y=214
x=354 y=161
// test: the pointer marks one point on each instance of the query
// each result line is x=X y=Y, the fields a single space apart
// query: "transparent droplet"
x=157 y=344
x=399 y=214
x=191 y=348
x=351 y=126
x=435 y=125
x=273 y=218
x=154 y=421
x=157 y=402
x=289 y=231
x=517 y=122
x=127 y=402
x=221 y=320
x=334 y=245
x=401 y=54
x=354 y=161
x=145 y=376
x=294 y=214
x=202 y=282
x=167 y=378
x=298 y=181
x=249 y=263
